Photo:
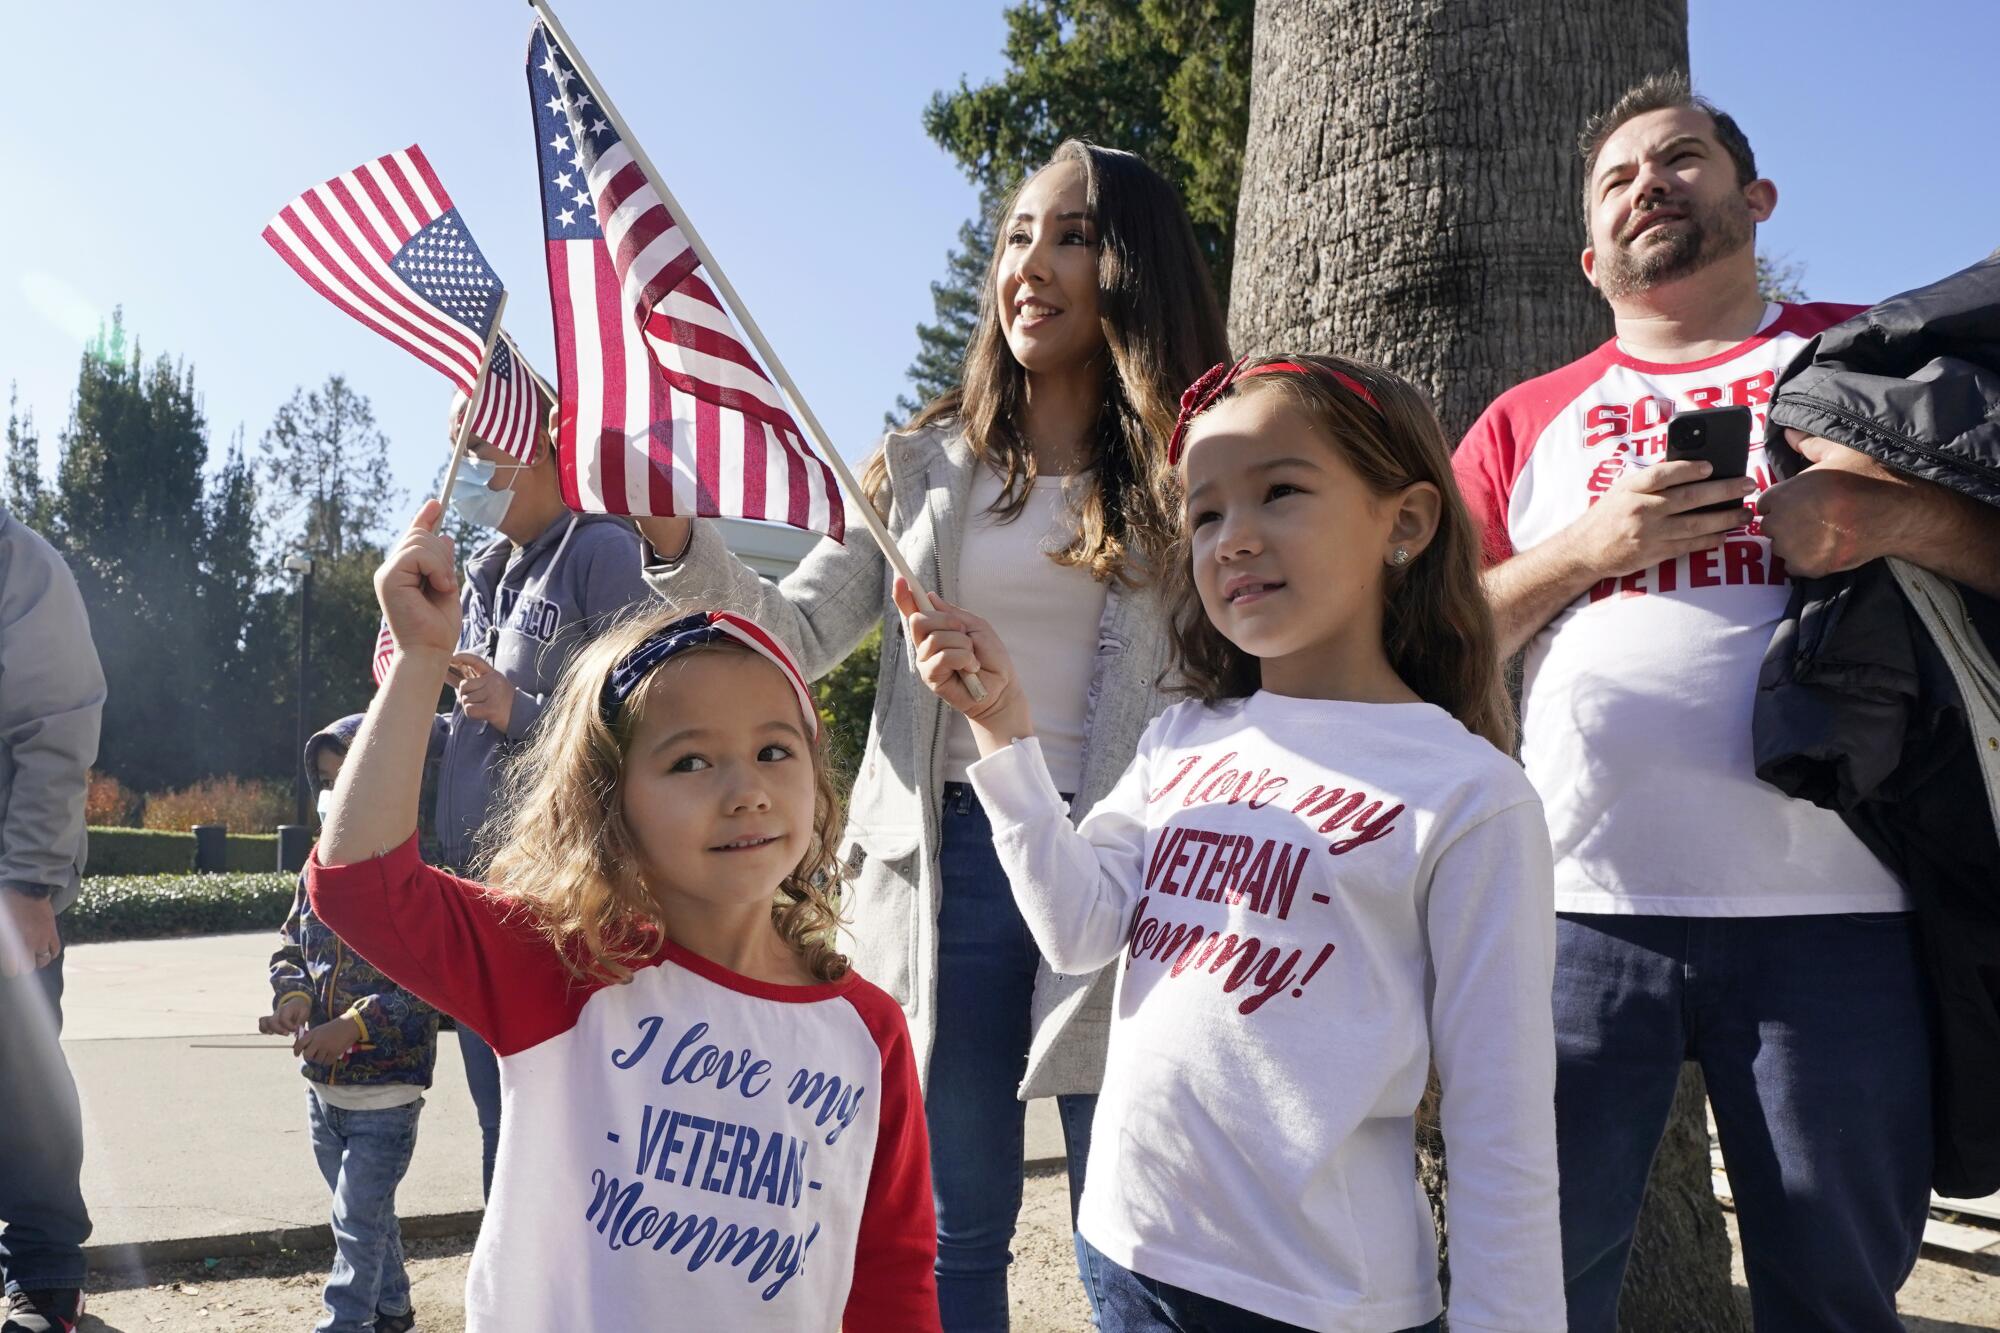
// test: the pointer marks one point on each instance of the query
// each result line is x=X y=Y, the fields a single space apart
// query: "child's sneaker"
x=43 y=1311
x=395 y=1323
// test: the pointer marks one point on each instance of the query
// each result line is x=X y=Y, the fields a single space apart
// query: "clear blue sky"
x=149 y=143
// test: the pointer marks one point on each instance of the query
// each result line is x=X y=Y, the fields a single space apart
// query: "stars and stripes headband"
x=693 y=631
x=1201 y=395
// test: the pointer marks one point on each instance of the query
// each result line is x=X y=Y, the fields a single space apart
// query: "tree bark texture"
x=1411 y=188
x=1679 y=1275
x=1412 y=196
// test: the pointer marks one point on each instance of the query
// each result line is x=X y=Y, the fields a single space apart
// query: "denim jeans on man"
x=363 y=1155
x=986 y=978
x=1128 y=1302
x=482 y=1080
x=1813 y=1035
x=43 y=1223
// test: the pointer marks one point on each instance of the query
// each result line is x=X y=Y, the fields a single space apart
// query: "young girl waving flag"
x=1323 y=874
x=711 y=1122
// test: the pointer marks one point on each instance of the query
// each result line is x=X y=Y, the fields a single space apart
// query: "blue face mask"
x=471 y=498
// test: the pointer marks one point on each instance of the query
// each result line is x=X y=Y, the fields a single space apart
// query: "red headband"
x=1201 y=395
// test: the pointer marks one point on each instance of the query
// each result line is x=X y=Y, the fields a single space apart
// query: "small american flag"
x=384 y=243
x=510 y=416
x=664 y=410
x=385 y=652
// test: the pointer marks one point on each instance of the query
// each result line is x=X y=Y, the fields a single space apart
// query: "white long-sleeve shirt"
x=1313 y=900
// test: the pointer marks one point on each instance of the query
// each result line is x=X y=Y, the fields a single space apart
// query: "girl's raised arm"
x=375 y=799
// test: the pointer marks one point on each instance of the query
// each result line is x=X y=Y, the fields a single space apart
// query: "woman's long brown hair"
x=1436 y=625
x=1162 y=327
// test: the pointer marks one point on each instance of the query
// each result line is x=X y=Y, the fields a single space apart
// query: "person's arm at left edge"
x=51 y=705
x=1847 y=509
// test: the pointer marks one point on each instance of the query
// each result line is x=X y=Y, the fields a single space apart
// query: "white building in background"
x=772 y=549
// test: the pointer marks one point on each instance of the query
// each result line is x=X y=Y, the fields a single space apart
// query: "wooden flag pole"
x=464 y=432
x=857 y=500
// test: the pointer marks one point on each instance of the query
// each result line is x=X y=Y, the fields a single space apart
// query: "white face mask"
x=473 y=500
x=324 y=804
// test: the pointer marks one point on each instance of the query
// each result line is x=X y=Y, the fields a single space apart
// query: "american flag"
x=511 y=415
x=664 y=410
x=385 y=652
x=384 y=243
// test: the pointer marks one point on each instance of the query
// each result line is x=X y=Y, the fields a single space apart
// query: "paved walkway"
x=195 y=1124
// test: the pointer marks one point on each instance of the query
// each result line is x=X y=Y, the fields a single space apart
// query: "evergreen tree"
x=242 y=683
x=326 y=473
x=127 y=512
x=941 y=345
x=27 y=495
x=1780 y=279
x=846 y=697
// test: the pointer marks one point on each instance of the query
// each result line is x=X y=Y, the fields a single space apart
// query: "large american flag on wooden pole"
x=664 y=409
x=384 y=243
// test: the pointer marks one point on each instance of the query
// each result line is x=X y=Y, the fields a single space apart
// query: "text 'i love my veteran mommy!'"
x=711 y=1162
x=1261 y=874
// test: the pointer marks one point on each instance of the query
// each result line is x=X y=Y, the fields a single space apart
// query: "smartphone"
x=1718 y=436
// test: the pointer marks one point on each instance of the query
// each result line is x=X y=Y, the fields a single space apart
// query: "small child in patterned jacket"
x=367 y=1047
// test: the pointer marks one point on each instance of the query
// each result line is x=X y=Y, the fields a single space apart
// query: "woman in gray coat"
x=1030 y=495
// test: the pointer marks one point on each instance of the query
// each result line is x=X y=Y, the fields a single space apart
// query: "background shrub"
x=246 y=806
x=124 y=851
x=109 y=802
x=846 y=701
x=137 y=907
x=250 y=853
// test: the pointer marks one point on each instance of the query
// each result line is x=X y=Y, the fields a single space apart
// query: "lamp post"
x=302 y=565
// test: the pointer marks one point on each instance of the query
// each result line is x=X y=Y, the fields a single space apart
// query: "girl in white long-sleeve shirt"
x=1323 y=874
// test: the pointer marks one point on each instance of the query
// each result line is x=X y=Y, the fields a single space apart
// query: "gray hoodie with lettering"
x=526 y=609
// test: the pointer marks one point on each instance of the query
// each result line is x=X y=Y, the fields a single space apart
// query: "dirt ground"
x=281 y=1294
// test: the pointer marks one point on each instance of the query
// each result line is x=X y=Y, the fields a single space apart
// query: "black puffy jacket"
x=1856 y=709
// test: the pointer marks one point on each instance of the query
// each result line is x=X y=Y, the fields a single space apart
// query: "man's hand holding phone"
x=1650 y=516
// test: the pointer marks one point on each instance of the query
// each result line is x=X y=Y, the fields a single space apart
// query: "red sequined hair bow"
x=1201 y=395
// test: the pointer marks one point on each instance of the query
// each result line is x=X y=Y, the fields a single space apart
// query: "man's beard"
x=1702 y=237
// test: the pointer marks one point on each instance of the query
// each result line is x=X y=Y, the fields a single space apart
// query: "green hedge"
x=137 y=907
x=133 y=851
x=250 y=853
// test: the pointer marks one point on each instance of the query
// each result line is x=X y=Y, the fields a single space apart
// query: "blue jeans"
x=363 y=1155
x=1813 y=1033
x=986 y=979
x=43 y=1222
x=1129 y=1302
x=482 y=1079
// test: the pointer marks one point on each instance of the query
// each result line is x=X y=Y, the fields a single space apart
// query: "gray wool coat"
x=827 y=606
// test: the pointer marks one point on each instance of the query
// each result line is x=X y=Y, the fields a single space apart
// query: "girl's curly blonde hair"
x=561 y=848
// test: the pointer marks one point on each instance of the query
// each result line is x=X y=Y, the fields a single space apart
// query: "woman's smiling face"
x=1046 y=280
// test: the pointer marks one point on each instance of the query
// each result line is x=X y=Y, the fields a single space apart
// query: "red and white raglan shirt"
x=692 y=1149
x=1637 y=697
x=1310 y=903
